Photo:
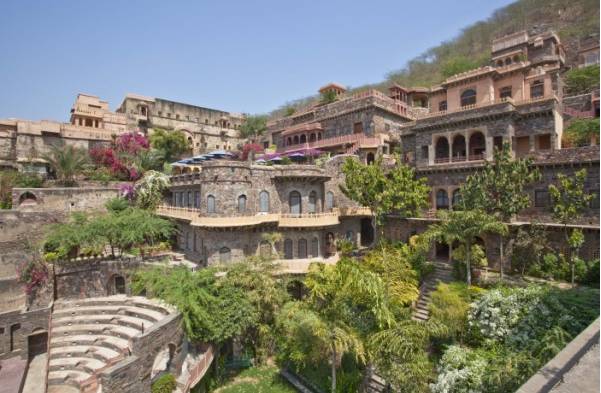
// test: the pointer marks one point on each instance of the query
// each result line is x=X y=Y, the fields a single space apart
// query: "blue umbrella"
x=277 y=158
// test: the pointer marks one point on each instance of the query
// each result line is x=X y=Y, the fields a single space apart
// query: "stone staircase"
x=89 y=335
x=443 y=272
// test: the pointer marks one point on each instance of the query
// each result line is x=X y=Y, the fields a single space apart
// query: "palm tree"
x=332 y=290
x=464 y=226
x=67 y=162
x=272 y=238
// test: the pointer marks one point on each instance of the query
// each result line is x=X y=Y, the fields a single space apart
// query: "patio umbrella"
x=276 y=158
x=260 y=161
x=297 y=154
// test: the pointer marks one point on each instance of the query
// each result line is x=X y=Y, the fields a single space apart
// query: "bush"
x=582 y=80
x=450 y=306
x=581 y=132
x=165 y=384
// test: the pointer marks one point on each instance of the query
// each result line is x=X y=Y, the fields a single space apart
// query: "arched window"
x=289 y=141
x=225 y=254
x=288 y=249
x=302 y=248
x=296 y=139
x=537 y=89
x=295 y=202
x=468 y=97
x=303 y=138
x=312 y=207
x=508 y=61
x=456 y=199
x=264 y=202
x=442 y=199
x=442 y=106
x=210 y=204
x=319 y=136
x=241 y=203
x=315 y=247
x=312 y=137
x=329 y=200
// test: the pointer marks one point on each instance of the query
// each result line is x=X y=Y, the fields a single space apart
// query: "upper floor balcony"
x=350 y=141
x=507 y=102
x=302 y=220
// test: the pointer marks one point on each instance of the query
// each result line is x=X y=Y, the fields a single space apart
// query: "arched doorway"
x=117 y=284
x=37 y=343
x=477 y=146
x=441 y=151
x=27 y=198
x=330 y=245
x=459 y=151
x=367 y=232
x=288 y=253
x=370 y=158
x=442 y=251
x=294 y=200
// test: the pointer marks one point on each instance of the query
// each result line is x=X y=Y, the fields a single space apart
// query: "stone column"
x=467 y=146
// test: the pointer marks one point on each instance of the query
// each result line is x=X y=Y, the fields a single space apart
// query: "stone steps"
x=443 y=272
x=89 y=335
x=132 y=311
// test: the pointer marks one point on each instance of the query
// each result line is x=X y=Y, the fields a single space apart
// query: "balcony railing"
x=286 y=220
x=359 y=139
x=496 y=101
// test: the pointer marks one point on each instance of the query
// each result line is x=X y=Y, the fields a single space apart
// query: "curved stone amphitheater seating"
x=90 y=335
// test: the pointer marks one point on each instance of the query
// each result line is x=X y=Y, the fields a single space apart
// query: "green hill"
x=571 y=19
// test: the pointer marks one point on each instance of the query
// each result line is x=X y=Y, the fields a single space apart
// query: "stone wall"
x=92 y=278
x=133 y=374
x=68 y=199
x=16 y=326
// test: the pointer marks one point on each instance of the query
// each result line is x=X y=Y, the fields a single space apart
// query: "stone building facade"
x=224 y=210
x=24 y=142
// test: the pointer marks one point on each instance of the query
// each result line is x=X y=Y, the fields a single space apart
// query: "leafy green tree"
x=346 y=303
x=464 y=226
x=211 y=313
x=149 y=189
x=529 y=247
x=328 y=96
x=396 y=191
x=570 y=201
x=457 y=65
x=253 y=126
x=67 y=161
x=289 y=111
x=582 y=80
x=582 y=132
x=498 y=189
x=272 y=238
x=172 y=144
x=266 y=292
x=164 y=384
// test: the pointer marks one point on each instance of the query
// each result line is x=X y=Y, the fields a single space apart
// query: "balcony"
x=308 y=220
x=360 y=140
x=304 y=220
x=497 y=101
x=360 y=211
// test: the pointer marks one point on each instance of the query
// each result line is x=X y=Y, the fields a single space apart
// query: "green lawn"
x=257 y=380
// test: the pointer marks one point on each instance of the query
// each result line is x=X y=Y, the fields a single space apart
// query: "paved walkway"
x=36 y=375
x=583 y=377
x=12 y=372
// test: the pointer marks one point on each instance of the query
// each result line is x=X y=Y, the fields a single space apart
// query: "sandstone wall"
x=68 y=199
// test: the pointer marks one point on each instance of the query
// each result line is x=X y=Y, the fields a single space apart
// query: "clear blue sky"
x=243 y=56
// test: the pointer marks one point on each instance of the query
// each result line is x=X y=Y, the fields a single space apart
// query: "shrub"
x=33 y=274
x=165 y=384
x=450 y=306
x=581 y=132
x=582 y=80
x=460 y=370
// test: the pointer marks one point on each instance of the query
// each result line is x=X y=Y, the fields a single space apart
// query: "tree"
x=582 y=80
x=529 y=247
x=570 y=201
x=498 y=189
x=253 y=126
x=67 y=162
x=582 y=132
x=272 y=238
x=457 y=65
x=328 y=96
x=346 y=303
x=464 y=226
x=149 y=189
x=257 y=277
x=172 y=144
x=210 y=313
x=396 y=191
